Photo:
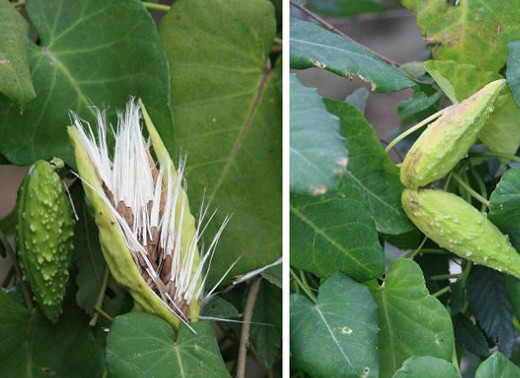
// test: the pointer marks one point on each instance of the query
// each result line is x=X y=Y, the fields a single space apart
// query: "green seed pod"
x=447 y=140
x=457 y=226
x=44 y=235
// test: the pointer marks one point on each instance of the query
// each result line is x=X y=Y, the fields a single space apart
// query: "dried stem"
x=244 y=336
x=8 y=277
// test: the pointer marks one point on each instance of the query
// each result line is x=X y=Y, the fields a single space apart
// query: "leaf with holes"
x=463 y=30
x=412 y=322
x=141 y=344
x=336 y=337
x=79 y=64
x=313 y=46
x=227 y=117
x=318 y=154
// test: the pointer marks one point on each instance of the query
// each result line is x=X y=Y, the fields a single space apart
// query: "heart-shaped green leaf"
x=79 y=64
x=336 y=337
x=227 y=115
x=412 y=322
x=142 y=345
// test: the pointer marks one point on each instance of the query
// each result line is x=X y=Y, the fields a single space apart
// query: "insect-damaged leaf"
x=313 y=46
x=412 y=322
x=337 y=337
x=318 y=154
x=141 y=345
x=462 y=30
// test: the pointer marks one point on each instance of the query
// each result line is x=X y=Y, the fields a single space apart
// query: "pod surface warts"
x=447 y=140
x=44 y=233
x=457 y=226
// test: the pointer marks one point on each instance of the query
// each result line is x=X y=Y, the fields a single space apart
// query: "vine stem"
x=444 y=290
x=441 y=277
x=305 y=288
x=100 y=298
x=470 y=190
x=496 y=154
x=244 y=336
x=339 y=32
x=413 y=129
x=414 y=253
x=8 y=277
x=154 y=6
x=12 y=256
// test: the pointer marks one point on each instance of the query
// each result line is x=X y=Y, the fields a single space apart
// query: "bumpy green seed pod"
x=447 y=140
x=460 y=228
x=44 y=235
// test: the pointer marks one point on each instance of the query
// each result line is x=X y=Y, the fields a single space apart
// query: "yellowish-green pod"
x=447 y=140
x=457 y=226
x=113 y=244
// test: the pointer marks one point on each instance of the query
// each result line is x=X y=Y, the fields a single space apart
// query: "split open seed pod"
x=148 y=235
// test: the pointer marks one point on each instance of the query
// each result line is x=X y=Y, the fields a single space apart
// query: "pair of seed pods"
x=444 y=217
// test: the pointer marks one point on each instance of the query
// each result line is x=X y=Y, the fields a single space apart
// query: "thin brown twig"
x=25 y=288
x=337 y=31
x=244 y=336
x=101 y=296
x=397 y=151
x=8 y=277
x=256 y=355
